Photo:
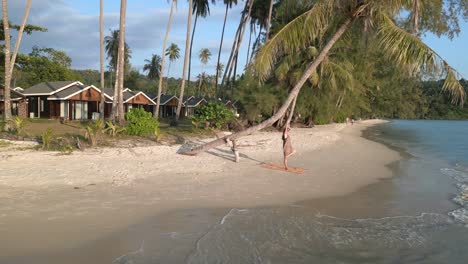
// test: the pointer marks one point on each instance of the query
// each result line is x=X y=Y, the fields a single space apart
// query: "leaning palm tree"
x=200 y=8
x=10 y=58
x=186 y=57
x=229 y=4
x=101 y=58
x=328 y=21
x=153 y=67
x=163 y=62
x=173 y=52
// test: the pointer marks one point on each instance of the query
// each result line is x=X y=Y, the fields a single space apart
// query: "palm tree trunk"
x=163 y=62
x=115 y=98
x=11 y=58
x=240 y=36
x=101 y=57
x=292 y=95
x=167 y=77
x=256 y=43
x=291 y=112
x=416 y=17
x=248 y=48
x=121 y=57
x=268 y=25
x=187 y=47
x=190 y=56
x=220 y=48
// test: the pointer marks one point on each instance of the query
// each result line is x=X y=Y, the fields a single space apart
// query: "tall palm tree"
x=328 y=21
x=121 y=61
x=10 y=58
x=163 y=62
x=268 y=24
x=173 y=52
x=204 y=56
x=200 y=8
x=101 y=58
x=229 y=4
x=112 y=49
x=153 y=67
x=186 y=57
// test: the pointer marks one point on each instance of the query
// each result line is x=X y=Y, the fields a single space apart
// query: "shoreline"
x=213 y=181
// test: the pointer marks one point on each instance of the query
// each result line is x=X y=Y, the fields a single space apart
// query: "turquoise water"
x=418 y=216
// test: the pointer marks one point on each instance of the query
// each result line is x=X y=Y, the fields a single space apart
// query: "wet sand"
x=129 y=198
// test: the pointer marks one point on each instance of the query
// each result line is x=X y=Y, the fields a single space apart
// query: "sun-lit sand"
x=53 y=203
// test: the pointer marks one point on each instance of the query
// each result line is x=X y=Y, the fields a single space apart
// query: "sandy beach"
x=63 y=207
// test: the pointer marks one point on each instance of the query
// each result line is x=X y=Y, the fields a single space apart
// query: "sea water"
x=417 y=216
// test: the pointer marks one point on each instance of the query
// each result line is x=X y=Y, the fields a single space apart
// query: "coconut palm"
x=153 y=67
x=173 y=52
x=121 y=61
x=229 y=4
x=101 y=57
x=112 y=49
x=163 y=62
x=186 y=58
x=204 y=56
x=10 y=58
x=200 y=8
x=328 y=21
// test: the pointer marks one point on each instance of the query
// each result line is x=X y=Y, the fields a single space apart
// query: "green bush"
x=46 y=139
x=93 y=131
x=140 y=123
x=215 y=115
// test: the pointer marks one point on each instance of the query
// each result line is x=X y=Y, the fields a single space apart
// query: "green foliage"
x=140 y=123
x=18 y=124
x=46 y=139
x=93 y=132
x=113 y=129
x=215 y=115
x=44 y=65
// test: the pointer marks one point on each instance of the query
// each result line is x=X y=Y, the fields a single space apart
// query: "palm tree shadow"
x=221 y=153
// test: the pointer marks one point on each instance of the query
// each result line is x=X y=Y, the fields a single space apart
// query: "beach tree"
x=329 y=21
x=153 y=67
x=101 y=59
x=10 y=57
x=111 y=42
x=163 y=59
x=229 y=4
x=186 y=57
x=204 y=56
x=120 y=69
x=173 y=52
x=201 y=8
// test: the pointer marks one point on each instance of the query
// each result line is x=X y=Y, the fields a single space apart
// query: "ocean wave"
x=275 y=235
x=460 y=174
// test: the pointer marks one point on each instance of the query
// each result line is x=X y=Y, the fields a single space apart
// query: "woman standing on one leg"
x=287 y=146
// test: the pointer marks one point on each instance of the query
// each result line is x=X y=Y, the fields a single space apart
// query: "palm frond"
x=295 y=36
x=409 y=51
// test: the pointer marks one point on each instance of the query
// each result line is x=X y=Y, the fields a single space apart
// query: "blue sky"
x=73 y=27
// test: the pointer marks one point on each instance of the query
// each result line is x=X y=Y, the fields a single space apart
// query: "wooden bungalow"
x=135 y=99
x=168 y=105
x=191 y=104
x=68 y=100
x=19 y=103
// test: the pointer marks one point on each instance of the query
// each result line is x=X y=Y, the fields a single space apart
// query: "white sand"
x=121 y=187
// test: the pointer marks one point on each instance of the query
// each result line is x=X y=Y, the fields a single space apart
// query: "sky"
x=73 y=26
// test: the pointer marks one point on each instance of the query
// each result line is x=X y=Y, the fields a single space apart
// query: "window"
x=42 y=105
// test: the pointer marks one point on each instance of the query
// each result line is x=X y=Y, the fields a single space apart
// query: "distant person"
x=347 y=120
x=352 y=121
x=287 y=146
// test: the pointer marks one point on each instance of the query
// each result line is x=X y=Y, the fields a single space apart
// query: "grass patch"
x=4 y=143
